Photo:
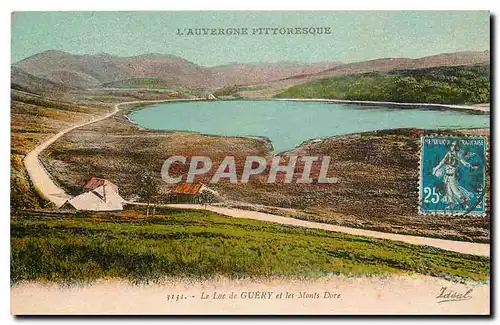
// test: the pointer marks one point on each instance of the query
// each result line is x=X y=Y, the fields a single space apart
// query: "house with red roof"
x=99 y=195
x=190 y=192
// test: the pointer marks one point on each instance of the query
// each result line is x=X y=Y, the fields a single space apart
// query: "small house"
x=190 y=193
x=99 y=195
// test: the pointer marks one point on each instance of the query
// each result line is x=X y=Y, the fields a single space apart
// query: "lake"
x=287 y=124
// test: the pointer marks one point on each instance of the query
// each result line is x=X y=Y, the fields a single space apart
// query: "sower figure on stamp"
x=454 y=193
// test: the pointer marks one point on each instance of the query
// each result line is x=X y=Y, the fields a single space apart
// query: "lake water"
x=287 y=124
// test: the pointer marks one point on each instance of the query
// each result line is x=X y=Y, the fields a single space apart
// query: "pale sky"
x=356 y=36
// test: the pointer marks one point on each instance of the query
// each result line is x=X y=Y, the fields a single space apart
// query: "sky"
x=355 y=36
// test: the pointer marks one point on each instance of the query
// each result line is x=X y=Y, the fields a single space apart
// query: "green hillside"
x=444 y=85
x=69 y=247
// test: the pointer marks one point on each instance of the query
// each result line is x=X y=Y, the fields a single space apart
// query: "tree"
x=147 y=186
x=207 y=197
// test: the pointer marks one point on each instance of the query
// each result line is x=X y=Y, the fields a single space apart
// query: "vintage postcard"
x=239 y=163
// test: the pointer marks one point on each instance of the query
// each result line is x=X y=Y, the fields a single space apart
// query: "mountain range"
x=60 y=71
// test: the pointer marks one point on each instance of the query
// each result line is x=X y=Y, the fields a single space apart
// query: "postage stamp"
x=452 y=175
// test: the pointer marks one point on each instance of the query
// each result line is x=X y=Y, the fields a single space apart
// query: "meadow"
x=79 y=247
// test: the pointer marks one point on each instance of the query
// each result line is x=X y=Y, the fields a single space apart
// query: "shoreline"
x=483 y=110
x=466 y=108
x=478 y=108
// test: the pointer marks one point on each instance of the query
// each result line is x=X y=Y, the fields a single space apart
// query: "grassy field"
x=81 y=247
x=33 y=120
x=371 y=166
x=445 y=85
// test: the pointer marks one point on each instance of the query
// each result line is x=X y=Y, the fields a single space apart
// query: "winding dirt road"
x=50 y=191
x=451 y=245
x=39 y=176
x=42 y=182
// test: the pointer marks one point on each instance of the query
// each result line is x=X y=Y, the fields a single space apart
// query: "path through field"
x=452 y=245
x=48 y=189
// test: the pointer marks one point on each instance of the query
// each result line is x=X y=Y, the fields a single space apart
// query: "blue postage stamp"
x=452 y=175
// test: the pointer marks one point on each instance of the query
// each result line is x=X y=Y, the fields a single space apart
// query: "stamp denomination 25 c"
x=452 y=175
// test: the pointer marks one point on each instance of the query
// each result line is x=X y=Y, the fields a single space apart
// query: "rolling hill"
x=20 y=80
x=379 y=65
x=64 y=70
x=87 y=71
